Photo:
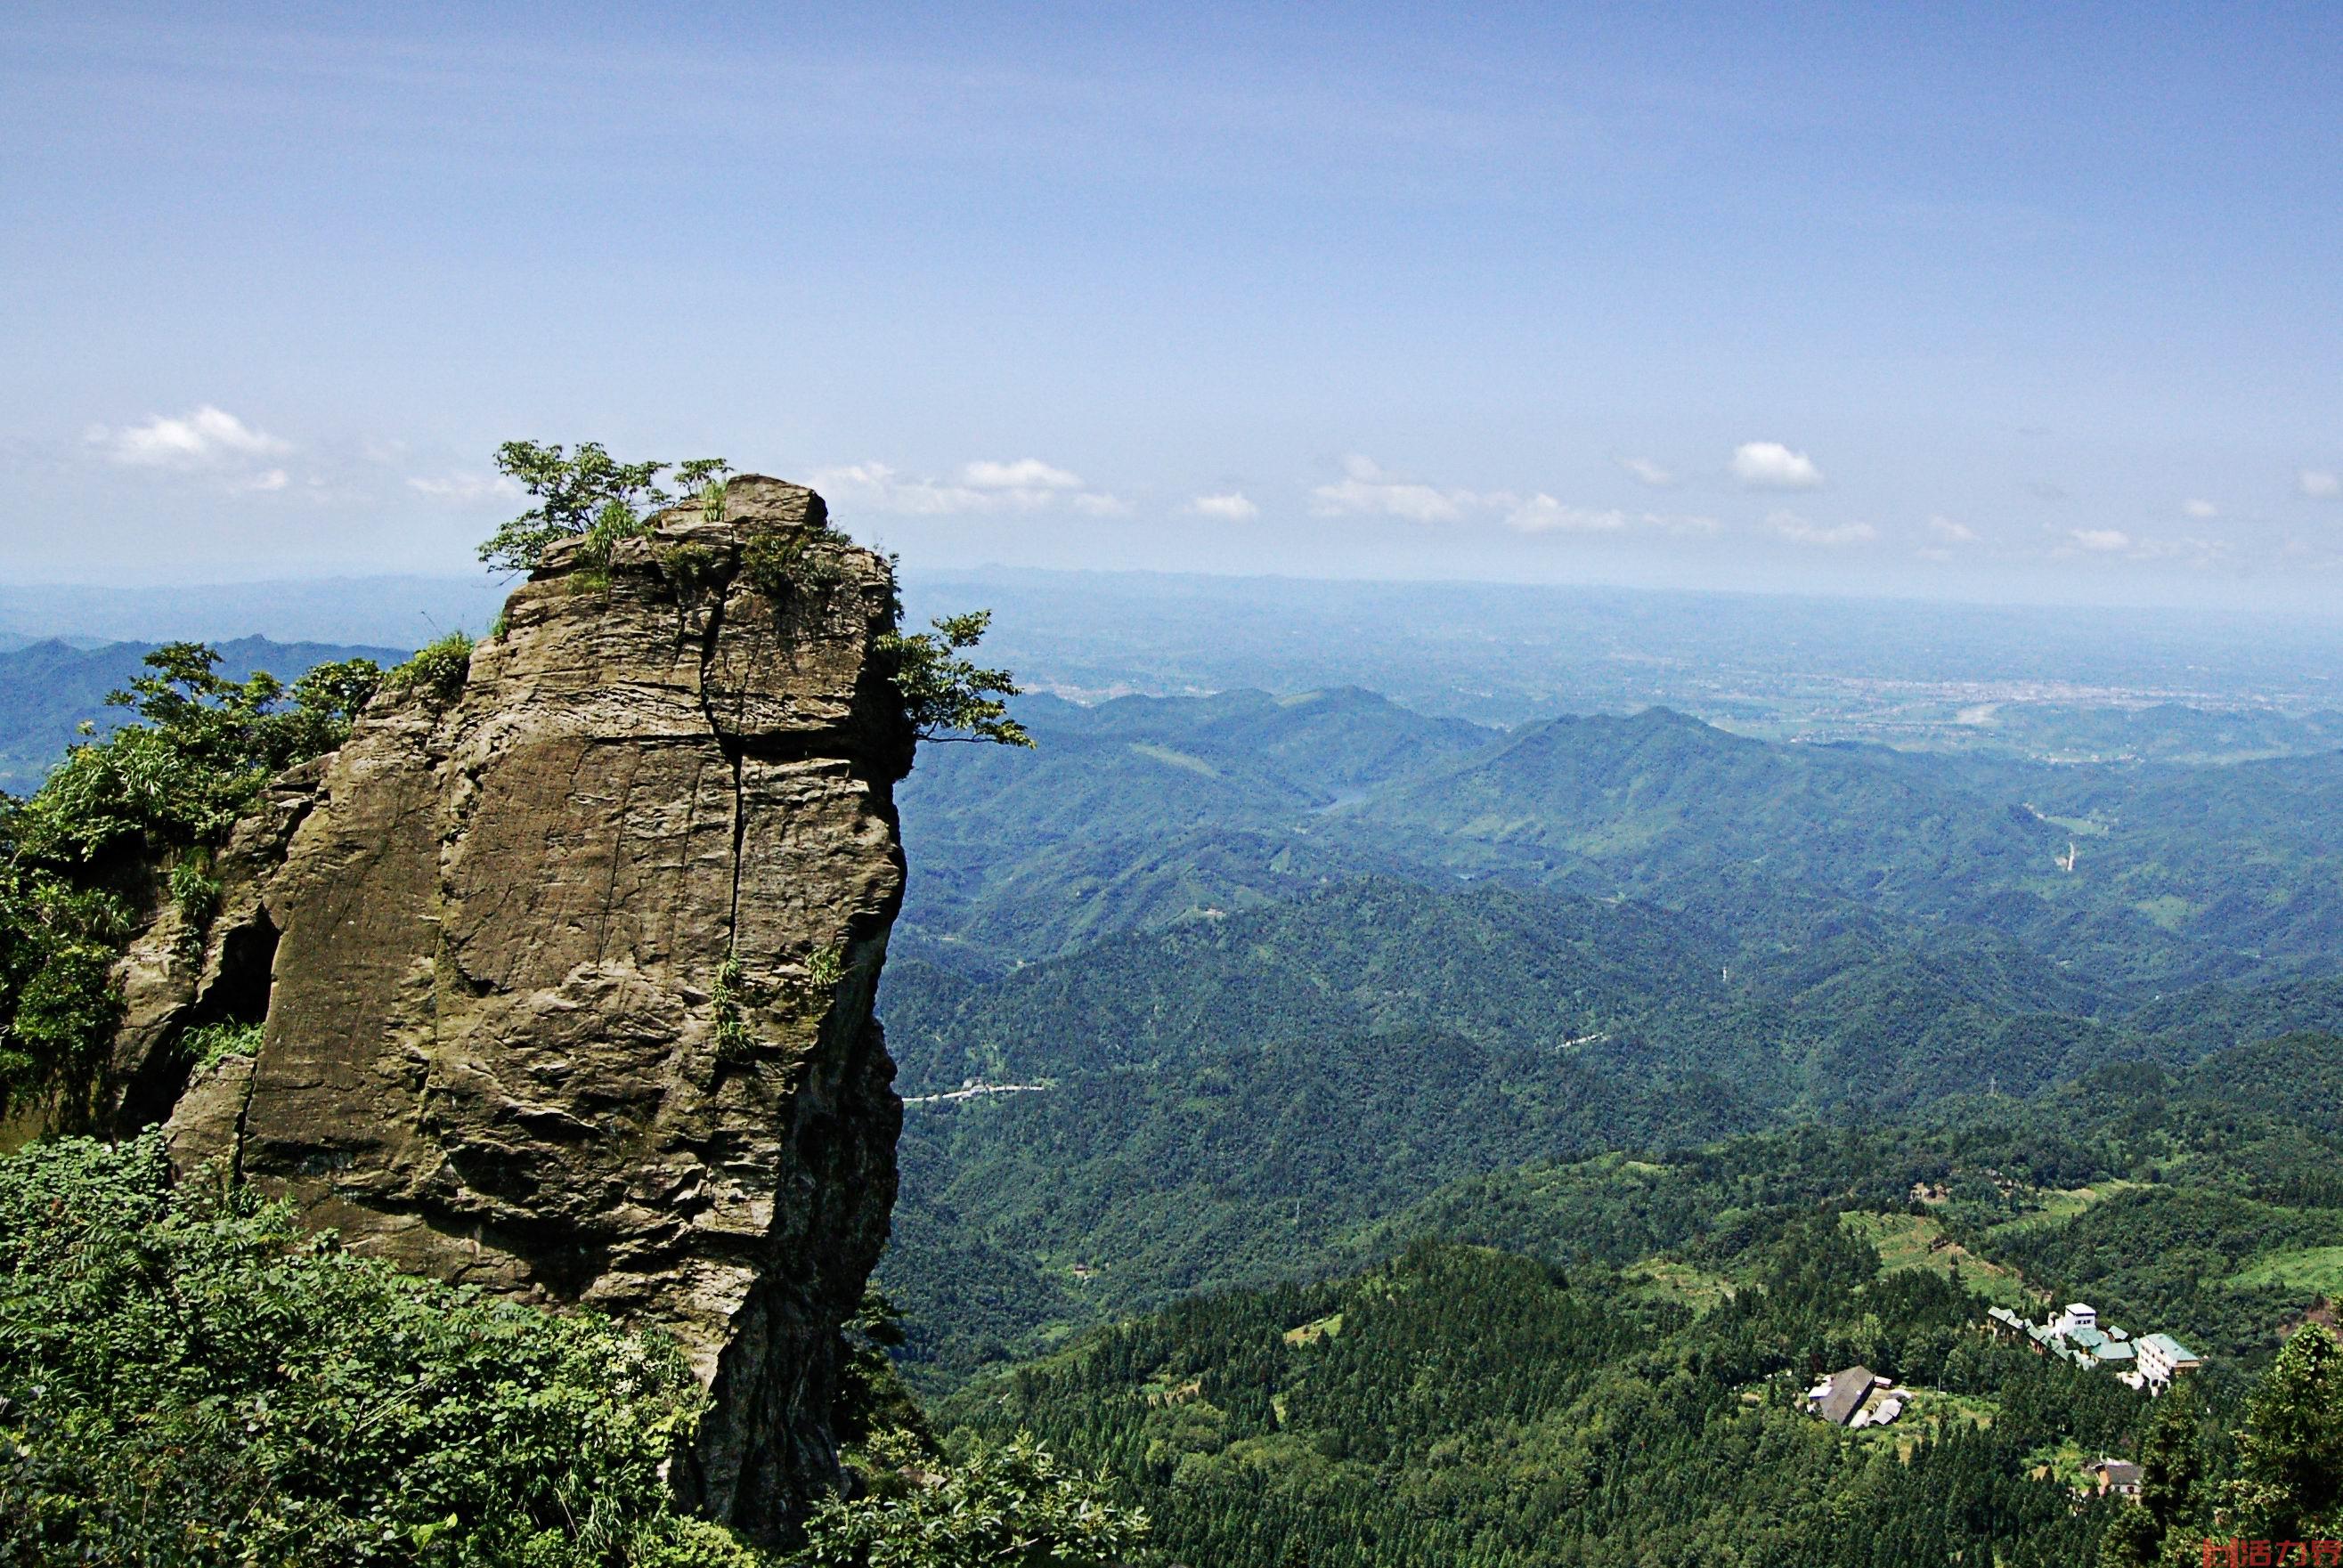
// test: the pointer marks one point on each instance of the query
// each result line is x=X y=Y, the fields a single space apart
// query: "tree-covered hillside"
x=1222 y=1101
x=1607 y=1357
x=1460 y=1405
x=2133 y=878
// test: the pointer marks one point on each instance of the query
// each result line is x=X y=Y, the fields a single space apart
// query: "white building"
x=2161 y=1356
x=2077 y=1315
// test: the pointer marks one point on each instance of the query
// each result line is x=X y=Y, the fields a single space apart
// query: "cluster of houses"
x=1859 y=1397
x=2150 y=1361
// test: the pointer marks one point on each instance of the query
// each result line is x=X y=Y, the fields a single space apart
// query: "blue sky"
x=2029 y=302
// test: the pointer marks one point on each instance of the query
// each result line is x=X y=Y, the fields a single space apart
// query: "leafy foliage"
x=200 y=751
x=802 y=559
x=2289 y=1486
x=585 y=492
x=947 y=695
x=439 y=667
x=1010 y=1502
x=184 y=1378
x=208 y=1043
x=47 y=691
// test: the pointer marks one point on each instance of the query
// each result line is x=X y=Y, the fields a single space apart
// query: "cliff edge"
x=568 y=968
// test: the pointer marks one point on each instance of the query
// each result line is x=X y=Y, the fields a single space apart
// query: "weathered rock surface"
x=178 y=973
x=572 y=968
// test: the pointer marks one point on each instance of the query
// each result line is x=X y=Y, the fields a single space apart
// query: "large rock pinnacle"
x=573 y=968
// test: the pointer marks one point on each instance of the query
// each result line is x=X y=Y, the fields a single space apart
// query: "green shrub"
x=712 y=497
x=734 y=1043
x=690 y=569
x=185 y=1379
x=1011 y=1503
x=438 y=667
x=197 y=756
x=193 y=888
x=60 y=1027
x=207 y=1043
x=803 y=560
x=826 y=968
x=615 y=521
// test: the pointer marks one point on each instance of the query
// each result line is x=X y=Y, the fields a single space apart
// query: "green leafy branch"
x=948 y=697
x=585 y=493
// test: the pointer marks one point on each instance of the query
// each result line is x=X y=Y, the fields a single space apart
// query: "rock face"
x=572 y=968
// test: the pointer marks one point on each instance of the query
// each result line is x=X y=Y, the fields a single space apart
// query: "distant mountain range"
x=1283 y=965
x=49 y=687
x=2075 y=684
x=403 y=612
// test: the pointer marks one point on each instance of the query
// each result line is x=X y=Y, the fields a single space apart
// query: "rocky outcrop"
x=188 y=968
x=572 y=969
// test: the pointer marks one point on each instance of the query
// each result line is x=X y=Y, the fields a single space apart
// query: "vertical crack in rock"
x=730 y=743
x=490 y=1033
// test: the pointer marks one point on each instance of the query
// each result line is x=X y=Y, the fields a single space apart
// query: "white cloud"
x=465 y=490
x=2106 y=541
x=1944 y=527
x=1365 y=489
x=1648 y=472
x=2318 y=484
x=1791 y=525
x=1771 y=465
x=1541 y=514
x=1026 y=485
x=270 y=479
x=1231 y=506
x=209 y=436
x=2200 y=509
x=881 y=488
x=1025 y=474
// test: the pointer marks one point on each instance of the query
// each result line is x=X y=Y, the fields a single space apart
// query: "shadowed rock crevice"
x=500 y=1047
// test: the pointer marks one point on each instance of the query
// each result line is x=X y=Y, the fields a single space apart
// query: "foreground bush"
x=1012 y=1504
x=186 y=1378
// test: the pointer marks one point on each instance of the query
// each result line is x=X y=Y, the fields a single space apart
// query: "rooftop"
x=1847 y=1389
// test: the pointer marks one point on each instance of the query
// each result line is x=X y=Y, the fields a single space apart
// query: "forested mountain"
x=2134 y=878
x=1226 y=1101
x=1382 y=1139
x=1255 y=977
x=1606 y=1357
x=1660 y=795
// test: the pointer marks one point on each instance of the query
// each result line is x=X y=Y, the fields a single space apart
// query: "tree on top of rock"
x=582 y=493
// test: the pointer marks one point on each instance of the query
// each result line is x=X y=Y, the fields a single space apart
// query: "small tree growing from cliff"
x=578 y=493
x=948 y=697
